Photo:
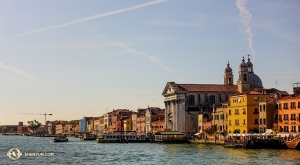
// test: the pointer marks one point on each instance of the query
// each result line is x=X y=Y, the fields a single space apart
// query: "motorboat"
x=60 y=139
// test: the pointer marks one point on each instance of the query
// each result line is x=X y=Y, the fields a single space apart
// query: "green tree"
x=237 y=131
x=224 y=133
x=211 y=130
x=4 y=130
x=1 y=129
x=34 y=125
x=11 y=130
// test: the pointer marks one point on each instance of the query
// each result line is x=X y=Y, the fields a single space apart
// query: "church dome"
x=255 y=81
x=228 y=69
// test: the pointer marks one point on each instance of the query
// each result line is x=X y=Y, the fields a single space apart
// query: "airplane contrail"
x=246 y=17
x=20 y=72
x=88 y=18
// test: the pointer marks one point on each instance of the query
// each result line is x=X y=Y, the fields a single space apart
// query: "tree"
x=1 y=129
x=11 y=130
x=4 y=130
x=224 y=133
x=237 y=131
x=211 y=130
x=34 y=125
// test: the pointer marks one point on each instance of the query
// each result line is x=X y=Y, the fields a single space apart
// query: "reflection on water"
x=90 y=152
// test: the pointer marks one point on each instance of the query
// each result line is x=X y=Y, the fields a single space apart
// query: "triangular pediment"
x=168 y=89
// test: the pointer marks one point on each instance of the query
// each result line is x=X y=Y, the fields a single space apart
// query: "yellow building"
x=128 y=124
x=243 y=114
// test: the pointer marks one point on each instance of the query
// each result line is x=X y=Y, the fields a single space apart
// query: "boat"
x=60 y=139
x=87 y=136
x=170 y=137
x=122 y=137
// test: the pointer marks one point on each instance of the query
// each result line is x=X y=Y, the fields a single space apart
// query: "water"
x=90 y=152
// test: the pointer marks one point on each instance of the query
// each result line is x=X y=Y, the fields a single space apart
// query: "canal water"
x=90 y=152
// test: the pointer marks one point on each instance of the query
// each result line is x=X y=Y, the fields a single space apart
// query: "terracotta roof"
x=283 y=93
x=158 y=121
x=157 y=111
x=204 y=87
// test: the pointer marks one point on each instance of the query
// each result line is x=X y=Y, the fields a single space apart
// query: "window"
x=244 y=121
x=237 y=122
x=260 y=108
x=191 y=100
x=293 y=104
x=293 y=116
x=255 y=111
x=255 y=99
x=298 y=104
x=286 y=117
x=236 y=111
x=286 y=129
x=229 y=112
x=260 y=121
x=244 y=111
x=255 y=121
x=264 y=107
x=279 y=106
x=229 y=122
x=299 y=128
x=264 y=121
x=212 y=100
x=222 y=117
x=285 y=105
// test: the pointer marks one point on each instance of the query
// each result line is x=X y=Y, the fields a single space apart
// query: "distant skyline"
x=77 y=58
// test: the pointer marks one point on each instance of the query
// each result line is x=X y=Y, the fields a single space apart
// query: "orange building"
x=289 y=113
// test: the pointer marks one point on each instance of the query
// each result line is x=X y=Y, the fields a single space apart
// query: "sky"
x=77 y=58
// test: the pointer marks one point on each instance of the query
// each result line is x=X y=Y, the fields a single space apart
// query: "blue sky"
x=84 y=58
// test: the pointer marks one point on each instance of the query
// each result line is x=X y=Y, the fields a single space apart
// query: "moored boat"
x=60 y=139
x=121 y=137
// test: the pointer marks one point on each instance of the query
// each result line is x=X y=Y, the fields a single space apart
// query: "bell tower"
x=228 y=76
x=243 y=81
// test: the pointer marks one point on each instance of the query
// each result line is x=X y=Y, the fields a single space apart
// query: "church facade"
x=183 y=102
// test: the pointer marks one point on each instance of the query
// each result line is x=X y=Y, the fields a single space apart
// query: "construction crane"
x=45 y=114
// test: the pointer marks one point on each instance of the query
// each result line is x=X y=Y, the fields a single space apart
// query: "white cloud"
x=88 y=18
x=246 y=18
x=20 y=72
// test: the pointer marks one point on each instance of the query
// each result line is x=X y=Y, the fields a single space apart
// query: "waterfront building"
x=106 y=122
x=289 y=113
x=184 y=102
x=101 y=123
x=22 y=128
x=117 y=117
x=134 y=121
x=153 y=114
x=140 y=121
x=220 y=118
x=267 y=115
x=157 y=125
x=243 y=113
x=127 y=124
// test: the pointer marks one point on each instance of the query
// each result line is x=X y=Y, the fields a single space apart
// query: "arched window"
x=212 y=100
x=191 y=100
x=245 y=77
